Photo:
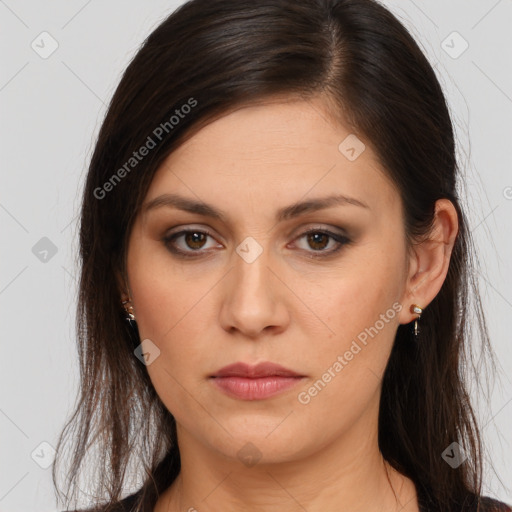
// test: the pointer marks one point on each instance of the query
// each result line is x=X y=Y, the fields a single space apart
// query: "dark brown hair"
x=219 y=55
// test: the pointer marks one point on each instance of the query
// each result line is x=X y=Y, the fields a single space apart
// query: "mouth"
x=246 y=382
x=265 y=369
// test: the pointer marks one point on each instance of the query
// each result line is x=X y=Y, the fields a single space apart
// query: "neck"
x=349 y=474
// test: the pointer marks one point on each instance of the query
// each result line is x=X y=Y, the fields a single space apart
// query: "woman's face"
x=250 y=285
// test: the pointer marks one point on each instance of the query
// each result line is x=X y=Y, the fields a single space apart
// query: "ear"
x=429 y=260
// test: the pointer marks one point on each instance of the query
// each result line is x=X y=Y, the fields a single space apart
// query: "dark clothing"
x=487 y=504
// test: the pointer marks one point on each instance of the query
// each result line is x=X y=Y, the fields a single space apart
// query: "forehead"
x=275 y=150
x=283 y=127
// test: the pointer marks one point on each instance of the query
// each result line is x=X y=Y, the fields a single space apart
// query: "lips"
x=266 y=369
x=255 y=382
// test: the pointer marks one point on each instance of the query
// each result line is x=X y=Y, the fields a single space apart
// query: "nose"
x=254 y=298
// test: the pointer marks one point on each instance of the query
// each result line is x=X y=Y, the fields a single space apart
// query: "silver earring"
x=418 y=311
x=132 y=323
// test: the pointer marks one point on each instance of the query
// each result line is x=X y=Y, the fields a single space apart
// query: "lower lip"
x=246 y=388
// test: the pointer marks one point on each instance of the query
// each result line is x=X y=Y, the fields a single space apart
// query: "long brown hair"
x=215 y=56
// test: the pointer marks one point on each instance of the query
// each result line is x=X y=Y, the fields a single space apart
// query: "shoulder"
x=472 y=503
x=488 y=504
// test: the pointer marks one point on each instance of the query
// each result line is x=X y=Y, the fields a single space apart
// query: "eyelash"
x=341 y=240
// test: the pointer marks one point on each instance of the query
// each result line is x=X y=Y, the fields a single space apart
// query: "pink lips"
x=247 y=382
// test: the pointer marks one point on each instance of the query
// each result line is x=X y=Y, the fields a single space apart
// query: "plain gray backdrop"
x=61 y=61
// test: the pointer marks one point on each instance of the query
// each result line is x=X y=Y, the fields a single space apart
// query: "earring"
x=417 y=310
x=132 y=323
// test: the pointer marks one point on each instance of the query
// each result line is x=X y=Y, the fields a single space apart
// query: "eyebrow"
x=285 y=213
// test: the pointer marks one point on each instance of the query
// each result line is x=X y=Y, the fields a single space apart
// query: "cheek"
x=172 y=314
x=349 y=365
x=368 y=286
x=172 y=310
x=361 y=308
x=162 y=293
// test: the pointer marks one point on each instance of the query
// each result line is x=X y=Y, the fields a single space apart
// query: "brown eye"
x=195 y=239
x=187 y=243
x=318 y=240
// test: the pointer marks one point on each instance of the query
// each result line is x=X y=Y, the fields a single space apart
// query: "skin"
x=206 y=312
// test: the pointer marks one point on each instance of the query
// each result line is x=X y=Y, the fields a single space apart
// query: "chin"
x=262 y=445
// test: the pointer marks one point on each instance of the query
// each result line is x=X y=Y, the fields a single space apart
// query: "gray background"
x=51 y=110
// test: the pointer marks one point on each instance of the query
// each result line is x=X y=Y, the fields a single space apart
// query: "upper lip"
x=265 y=369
